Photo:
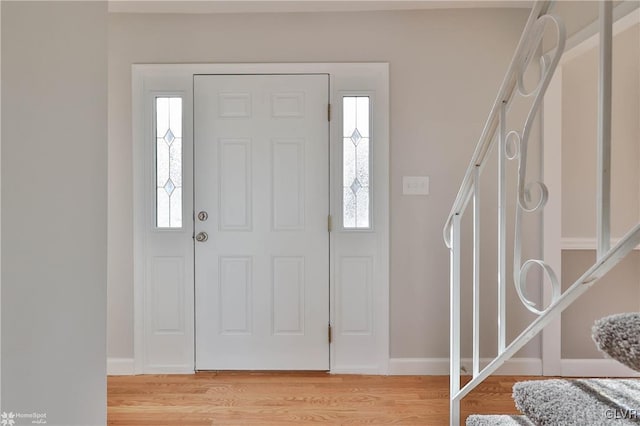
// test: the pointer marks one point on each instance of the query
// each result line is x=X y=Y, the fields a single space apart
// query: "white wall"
x=0 y=206
x=577 y=14
x=580 y=125
x=54 y=218
x=619 y=291
x=445 y=69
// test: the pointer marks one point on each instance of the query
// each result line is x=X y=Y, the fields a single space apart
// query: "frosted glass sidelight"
x=356 y=161
x=168 y=122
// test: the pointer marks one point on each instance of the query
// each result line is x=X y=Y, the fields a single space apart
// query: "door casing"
x=363 y=349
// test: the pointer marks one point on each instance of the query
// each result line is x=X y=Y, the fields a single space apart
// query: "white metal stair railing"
x=513 y=145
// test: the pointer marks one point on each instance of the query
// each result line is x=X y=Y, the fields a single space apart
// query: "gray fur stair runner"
x=498 y=420
x=619 y=337
x=583 y=402
x=580 y=402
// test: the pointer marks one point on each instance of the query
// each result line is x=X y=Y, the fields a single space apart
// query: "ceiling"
x=274 y=6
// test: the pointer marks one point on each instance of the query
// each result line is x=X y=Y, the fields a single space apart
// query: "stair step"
x=498 y=420
x=619 y=337
x=580 y=401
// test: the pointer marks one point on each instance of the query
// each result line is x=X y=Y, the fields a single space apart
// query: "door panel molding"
x=290 y=202
x=360 y=341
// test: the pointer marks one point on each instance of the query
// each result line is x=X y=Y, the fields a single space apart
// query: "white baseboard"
x=513 y=367
x=440 y=366
x=120 y=367
x=168 y=369
x=572 y=243
x=356 y=369
x=595 y=368
x=126 y=367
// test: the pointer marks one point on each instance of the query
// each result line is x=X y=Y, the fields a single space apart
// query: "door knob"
x=202 y=237
x=202 y=216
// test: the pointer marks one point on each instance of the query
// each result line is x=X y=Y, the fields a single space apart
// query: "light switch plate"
x=415 y=185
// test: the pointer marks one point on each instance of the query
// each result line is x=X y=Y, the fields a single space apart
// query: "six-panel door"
x=262 y=177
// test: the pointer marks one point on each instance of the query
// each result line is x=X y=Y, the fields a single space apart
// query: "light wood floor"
x=295 y=398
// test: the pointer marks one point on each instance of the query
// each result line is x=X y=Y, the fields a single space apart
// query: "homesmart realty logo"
x=13 y=419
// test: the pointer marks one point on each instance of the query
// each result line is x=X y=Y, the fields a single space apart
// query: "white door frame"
x=625 y=16
x=359 y=349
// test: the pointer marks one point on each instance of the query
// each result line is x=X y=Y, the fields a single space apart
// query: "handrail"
x=524 y=50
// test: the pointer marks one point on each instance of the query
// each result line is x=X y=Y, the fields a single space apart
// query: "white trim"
x=551 y=121
x=169 y=369
x=571 y=243
x=595 y=368
x=359 y=369
x=344 y=76
x=514 y=367
x=139 y=236
x=120 y=367
x=440 y=366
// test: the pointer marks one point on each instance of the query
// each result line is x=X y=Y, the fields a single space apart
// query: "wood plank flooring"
x=251 y=398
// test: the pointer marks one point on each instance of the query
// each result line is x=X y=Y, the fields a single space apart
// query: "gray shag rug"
x=619 y=337
x=498 y=420
x=579 y=402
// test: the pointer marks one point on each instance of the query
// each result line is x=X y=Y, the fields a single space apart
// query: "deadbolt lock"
x=202 y=216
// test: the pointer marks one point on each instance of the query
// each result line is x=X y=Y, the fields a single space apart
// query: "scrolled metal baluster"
x=512 y=145
x=520 y=270
x=538 y=93
x=534 y=42
x=527 y=201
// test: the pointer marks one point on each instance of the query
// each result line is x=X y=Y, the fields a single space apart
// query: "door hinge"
x=329 y=333
x=329 y=223
x=329 y=112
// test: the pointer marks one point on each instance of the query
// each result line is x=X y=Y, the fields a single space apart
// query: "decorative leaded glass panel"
x=356 y=162
x=168 y=162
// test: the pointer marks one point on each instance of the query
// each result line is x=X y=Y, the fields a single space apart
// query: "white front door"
x=261 y=158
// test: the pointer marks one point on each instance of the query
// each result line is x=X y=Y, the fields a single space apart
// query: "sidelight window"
x=168 y=167
x=356 y=162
